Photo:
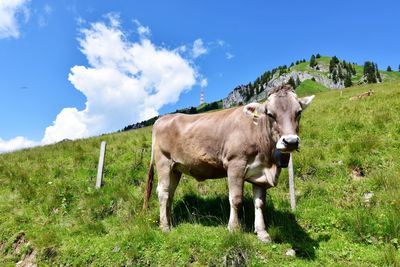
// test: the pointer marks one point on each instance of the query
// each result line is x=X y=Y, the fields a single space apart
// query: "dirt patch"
x=29 y=257
x=358 y=174
x=28 y=261
x=235 y=258
x=19 y=242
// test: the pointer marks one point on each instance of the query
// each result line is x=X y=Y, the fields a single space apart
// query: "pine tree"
x=318 y=55
x=251 y=93
x=340 y=73
x=399 y=67
x=344 y=64
x=298 y=82
x=334 y=76
x=292 y=82
x=378 y=75
x=389 y=69
x=332 y=63
x=313 y=62
x=246 y=93
x=370 y=72
x=347 y=81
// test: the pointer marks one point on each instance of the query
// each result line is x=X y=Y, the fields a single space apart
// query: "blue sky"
x=61 y=76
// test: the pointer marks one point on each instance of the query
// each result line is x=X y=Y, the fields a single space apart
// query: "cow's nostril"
x=291 y=141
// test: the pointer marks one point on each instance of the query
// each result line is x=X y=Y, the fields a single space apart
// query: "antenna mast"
x=201 y=96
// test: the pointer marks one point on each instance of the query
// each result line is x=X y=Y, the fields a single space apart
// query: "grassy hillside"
x=348 y=196
x=323 y=62
x=309 y=87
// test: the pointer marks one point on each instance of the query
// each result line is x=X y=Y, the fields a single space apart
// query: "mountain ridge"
x=329 y=72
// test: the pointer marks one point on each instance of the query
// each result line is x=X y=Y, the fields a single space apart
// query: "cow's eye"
x=298 y=113
x=271 y=115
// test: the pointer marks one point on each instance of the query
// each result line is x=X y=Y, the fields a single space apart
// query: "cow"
x=249 y=143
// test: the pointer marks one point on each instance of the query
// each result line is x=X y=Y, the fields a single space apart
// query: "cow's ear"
x=254 y=111
x=305 y=101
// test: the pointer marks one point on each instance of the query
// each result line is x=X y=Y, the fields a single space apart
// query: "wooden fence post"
x=292 y=190
x=101 y=164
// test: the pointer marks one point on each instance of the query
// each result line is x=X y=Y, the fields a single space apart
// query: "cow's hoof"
x=233 y=228
x=165 y=229
x=264 y=237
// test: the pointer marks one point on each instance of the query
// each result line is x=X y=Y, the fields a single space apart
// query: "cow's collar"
x=281 y=159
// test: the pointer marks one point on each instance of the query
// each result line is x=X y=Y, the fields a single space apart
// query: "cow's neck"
x=263 y=168
x=266 y=141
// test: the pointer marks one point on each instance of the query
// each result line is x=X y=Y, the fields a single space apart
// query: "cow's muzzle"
x=288 y=143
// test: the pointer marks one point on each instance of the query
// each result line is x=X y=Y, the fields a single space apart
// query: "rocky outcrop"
x=237 y=96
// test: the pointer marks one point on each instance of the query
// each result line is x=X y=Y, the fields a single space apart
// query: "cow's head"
x=283 y=111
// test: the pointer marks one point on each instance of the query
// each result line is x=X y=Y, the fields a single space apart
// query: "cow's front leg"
x=259 y=194
x=235 y=185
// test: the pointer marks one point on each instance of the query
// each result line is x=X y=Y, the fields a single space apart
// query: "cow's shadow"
x=214 y=211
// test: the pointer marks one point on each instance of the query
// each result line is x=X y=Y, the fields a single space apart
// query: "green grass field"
x=50 y=209
x=309 y=87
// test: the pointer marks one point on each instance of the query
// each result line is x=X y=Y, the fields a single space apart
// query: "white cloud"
x=229 y=55
x=181 y=49
x=9 y=14
x=221 y=43
x=198 y=48
x=124 y=82
x=143 y=31
x=16 y=143
x=42 y=18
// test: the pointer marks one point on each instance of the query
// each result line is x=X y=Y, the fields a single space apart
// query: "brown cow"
x=244 y=144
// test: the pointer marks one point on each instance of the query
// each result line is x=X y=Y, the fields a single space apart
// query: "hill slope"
x=329 y=72
x=348 y=193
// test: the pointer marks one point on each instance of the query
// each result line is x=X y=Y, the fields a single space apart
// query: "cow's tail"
x=150 y=176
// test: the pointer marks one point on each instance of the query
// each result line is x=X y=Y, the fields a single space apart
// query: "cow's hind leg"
x=259 y=194
x=168 y=180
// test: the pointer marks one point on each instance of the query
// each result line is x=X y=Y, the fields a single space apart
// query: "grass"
x=48 y=204
x=309 y=87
